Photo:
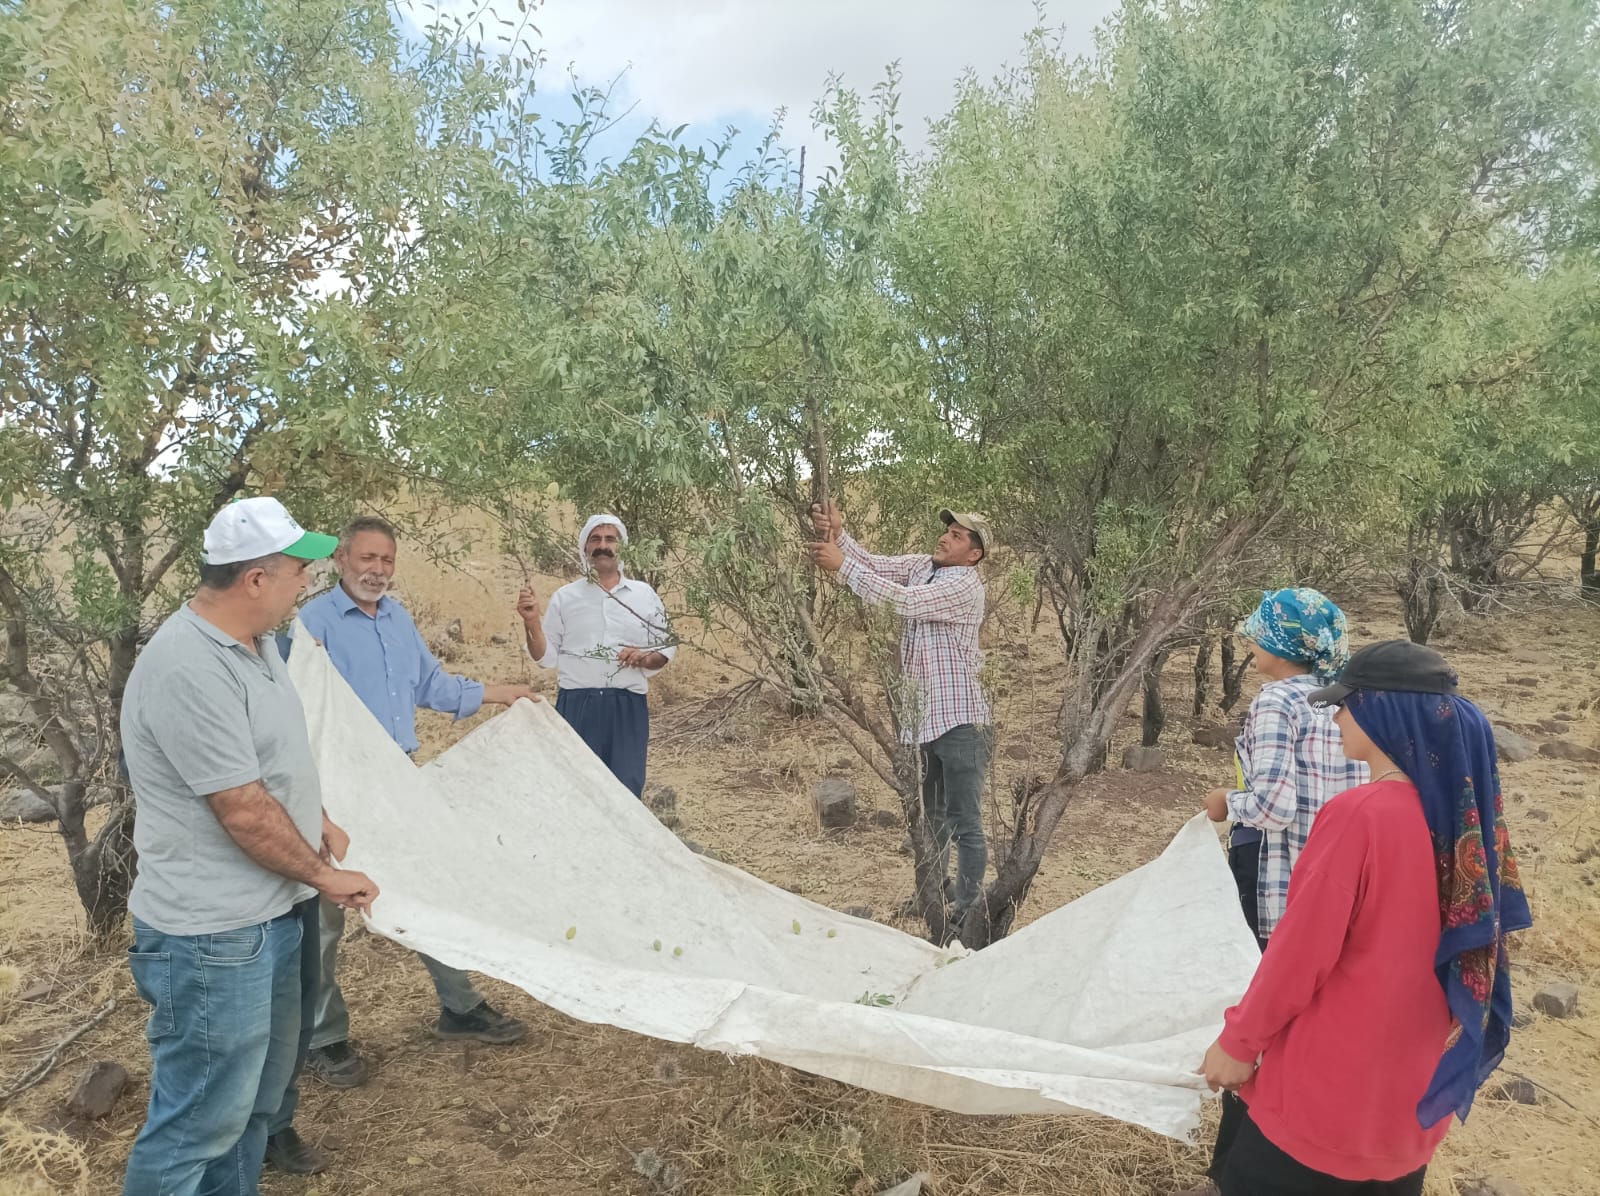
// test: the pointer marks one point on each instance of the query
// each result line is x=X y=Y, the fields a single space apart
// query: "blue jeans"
x=953 y=770
x=224 y=1029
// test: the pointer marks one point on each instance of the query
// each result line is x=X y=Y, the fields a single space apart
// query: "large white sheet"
x=516 y=854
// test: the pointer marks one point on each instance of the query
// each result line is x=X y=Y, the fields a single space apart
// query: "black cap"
x=1396 y=665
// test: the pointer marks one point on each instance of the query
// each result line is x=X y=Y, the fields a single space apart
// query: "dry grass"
x=577 y=1110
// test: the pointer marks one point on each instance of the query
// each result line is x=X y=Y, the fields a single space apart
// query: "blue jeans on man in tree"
x=953 y=770
x=225 y=1032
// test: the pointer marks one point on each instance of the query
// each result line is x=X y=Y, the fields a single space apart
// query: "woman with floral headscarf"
x=1385 y=1000
x=1289 y=763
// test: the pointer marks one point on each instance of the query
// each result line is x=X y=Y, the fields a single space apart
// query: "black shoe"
x=483 y=1024
x=290 y=1154
x=338 y=1066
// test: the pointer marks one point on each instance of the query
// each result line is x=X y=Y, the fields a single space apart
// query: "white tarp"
x=516 y=854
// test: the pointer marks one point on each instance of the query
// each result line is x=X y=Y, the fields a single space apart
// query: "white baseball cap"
x=256 y=527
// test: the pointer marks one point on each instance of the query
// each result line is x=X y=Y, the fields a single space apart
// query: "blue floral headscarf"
x=1304 y=626
x=1445 y=746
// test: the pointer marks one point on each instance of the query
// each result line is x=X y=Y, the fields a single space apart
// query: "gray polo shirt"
x=203 y=713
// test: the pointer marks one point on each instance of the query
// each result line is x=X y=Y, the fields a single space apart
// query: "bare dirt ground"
x=578 y=1109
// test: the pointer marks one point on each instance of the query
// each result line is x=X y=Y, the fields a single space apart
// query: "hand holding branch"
x=826 y=554
x=827 y=520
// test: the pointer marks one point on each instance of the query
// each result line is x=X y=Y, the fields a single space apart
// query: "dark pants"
x=953 y=770
x=1244 y=860
x=615 y=723
x=309 y=913
x=1258 y=1168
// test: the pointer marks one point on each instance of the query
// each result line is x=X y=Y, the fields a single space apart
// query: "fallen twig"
x=45 y=1066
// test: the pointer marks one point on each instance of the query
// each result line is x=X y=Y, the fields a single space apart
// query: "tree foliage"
x=1259 y=289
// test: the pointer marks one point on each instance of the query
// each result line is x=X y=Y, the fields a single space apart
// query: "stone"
x=1521 y=1019
x=1539 y=815
x=1526 y=682
x=906 y=846
x=1215 y=735
x=1554 y=726
x=833 y=800
x=911 y=1187
x=500 y=638
x=24 y=806
x=669 y=820
x=1018 y=751
x=454 y=631
x=661 y=798
x=1144 y=759
x=1559 y=998
x=37 y=991
x=1492 y=1185
x=863 y=912
x=98 y=1090
x=1562 y=749
x=885 y=818
x=1519 y=1090
x=1511 y=747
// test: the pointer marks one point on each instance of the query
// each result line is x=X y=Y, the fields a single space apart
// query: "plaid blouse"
x=943 y=609
x=1293 y=763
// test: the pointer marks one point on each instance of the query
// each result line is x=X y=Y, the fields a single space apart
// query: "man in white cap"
x=606 y=635
x=940 y=596
x=234 y=849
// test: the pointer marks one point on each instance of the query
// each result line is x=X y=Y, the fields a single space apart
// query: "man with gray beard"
x=373 y=642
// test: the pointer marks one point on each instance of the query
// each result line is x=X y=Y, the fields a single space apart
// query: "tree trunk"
x=1155 y=718
x=1233 y=673
x=1588 y=579
x=1202 y=671
x=102 y=870
x=1422 y=593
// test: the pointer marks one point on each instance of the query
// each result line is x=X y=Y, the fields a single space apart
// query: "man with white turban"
x=605 y=634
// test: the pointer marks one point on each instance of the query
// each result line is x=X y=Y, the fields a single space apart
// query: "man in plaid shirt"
x=940 y=596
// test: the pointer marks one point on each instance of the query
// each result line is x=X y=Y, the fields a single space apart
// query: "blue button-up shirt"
x=387 y=663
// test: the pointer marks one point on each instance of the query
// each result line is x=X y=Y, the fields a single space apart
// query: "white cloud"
x=703 y=61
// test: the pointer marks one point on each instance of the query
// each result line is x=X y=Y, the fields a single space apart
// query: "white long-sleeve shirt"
x=585 y=625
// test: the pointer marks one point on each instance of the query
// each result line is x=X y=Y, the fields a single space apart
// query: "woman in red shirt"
x=1384 y=1000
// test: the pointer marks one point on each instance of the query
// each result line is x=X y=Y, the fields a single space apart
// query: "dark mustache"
x=602 y=552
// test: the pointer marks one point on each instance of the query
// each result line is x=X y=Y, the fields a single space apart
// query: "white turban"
x=593 y=522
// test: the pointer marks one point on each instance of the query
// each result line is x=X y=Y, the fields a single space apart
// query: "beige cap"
x=975 y=523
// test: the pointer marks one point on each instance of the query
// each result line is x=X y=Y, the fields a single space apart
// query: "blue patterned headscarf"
x=1445 y=746
x=1304 y=626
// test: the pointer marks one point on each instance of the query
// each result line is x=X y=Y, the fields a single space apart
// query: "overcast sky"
x=710 y=63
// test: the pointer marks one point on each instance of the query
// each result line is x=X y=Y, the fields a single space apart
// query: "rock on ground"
x=1557 y=999
x=1493 y=1185
x=24 y=806
x=1511 y=747
x=1562 y=749
x=1515 y=1088
x=97 y=1090
x=833 y=800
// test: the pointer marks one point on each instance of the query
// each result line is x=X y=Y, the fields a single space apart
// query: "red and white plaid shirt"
x=943 y=609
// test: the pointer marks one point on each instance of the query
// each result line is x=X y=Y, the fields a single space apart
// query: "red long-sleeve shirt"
x=1344 y=1009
